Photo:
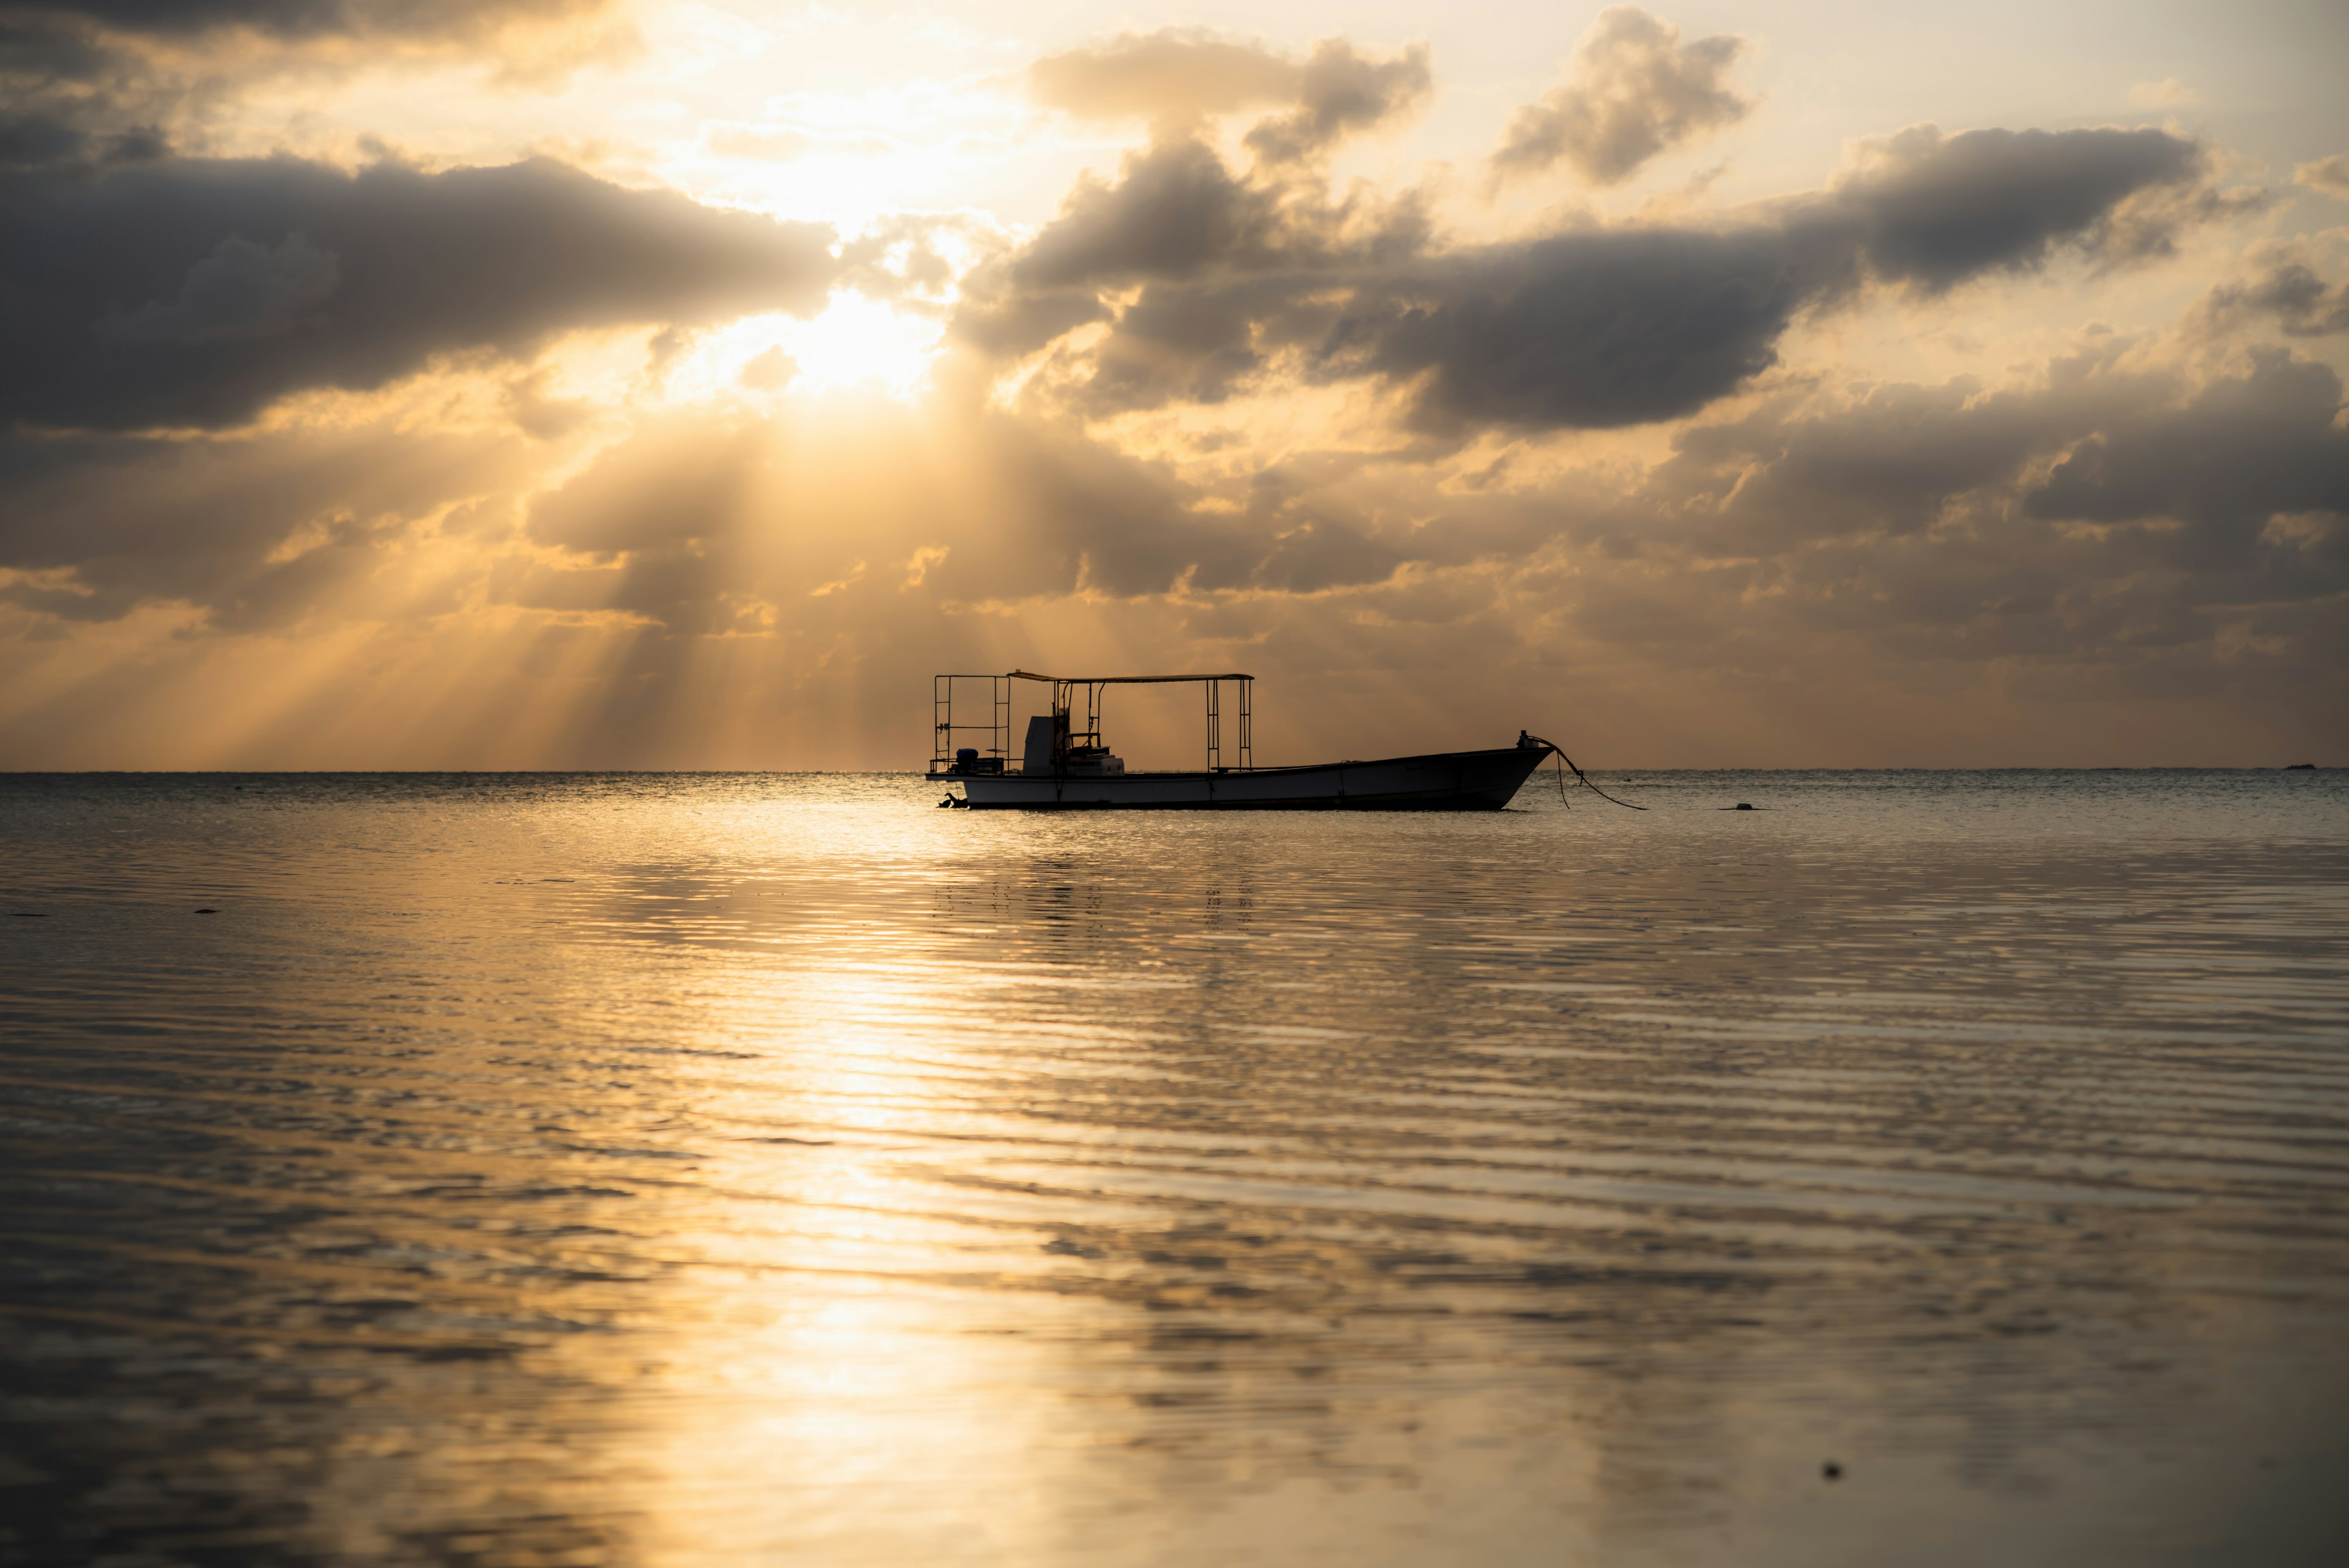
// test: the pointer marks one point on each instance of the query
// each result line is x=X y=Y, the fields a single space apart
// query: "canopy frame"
x=1067 y=736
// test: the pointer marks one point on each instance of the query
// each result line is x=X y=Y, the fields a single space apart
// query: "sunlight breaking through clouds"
x=735 y=356
x=853 y=345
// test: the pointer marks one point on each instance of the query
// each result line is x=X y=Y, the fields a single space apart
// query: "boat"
x=1063 y=764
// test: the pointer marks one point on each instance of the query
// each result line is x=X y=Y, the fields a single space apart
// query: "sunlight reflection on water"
x=698 y=1169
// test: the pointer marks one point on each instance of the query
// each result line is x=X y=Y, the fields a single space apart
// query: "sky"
x=597 y=384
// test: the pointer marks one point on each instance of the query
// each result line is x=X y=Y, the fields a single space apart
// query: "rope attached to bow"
x=1578 y=773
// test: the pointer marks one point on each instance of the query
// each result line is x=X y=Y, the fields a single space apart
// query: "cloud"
x=1588 y=330
x=1176 y=78
x=239 y=291
x=306 y=18
x=2122 y=530
x=38 y=48
x=1593 y=328
x=1174 y=73
x=1343 y=92
x=74 y=96
x=1634 y=91
x=1937 y=209
x=125 y=78
x=1176 y=210
x=666 y=485
x=1223 y=260
x=1888 y=459
x=2245 y=450
x=256 y=532
x=2098 y=526
x=188 y=293
x=2286 y=285
x=1414 y=497
x=773 y=507
x=2330 y=175
x=1177 y=214
x=28 y=141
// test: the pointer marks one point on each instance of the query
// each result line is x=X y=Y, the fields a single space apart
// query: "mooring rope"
x=1578 y=773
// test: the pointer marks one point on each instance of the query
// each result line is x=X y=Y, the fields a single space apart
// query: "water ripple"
x=695 y=1170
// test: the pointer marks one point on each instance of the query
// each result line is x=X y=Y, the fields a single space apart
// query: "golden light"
x=861 y=342
x=856 y=344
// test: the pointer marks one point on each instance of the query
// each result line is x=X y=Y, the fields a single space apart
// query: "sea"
x=708 y=1170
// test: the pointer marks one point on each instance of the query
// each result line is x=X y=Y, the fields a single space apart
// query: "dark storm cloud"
x=1635 y=90
x=2245 y=451
x=125 y=79
x=253 y=531
x=1593 y=328
x=29 y=140
x=301 y=18
x=70 y=96
x=1179 y=216
x=1177 y=210
x=1924 y=520
x=1912 y=523
x=41 y=50
x=1343 y=92
x=1935 y=210
x=1175 y=344
x=1890 y=463
x=1588 y=330
x=184 y=292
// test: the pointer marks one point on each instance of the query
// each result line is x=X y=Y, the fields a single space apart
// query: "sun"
x=855 y=344
x=860 y=342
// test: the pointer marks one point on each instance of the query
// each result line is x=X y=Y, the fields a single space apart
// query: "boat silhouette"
x=1065 y=763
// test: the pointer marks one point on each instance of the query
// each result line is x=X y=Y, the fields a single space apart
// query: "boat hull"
x=1444 y=780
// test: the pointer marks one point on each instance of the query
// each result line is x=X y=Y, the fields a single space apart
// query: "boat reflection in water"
x=1064 y=764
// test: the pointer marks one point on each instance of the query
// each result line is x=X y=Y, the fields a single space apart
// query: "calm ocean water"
x=682 y=1170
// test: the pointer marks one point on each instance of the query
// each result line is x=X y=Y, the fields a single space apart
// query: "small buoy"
x=207 y=911
x=1745 y=806
x=1831 y=1470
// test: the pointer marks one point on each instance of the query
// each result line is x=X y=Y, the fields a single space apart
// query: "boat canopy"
x=1113 y=680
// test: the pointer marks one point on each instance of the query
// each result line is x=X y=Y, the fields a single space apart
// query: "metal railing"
x=1067 y=735
x=944 y=732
